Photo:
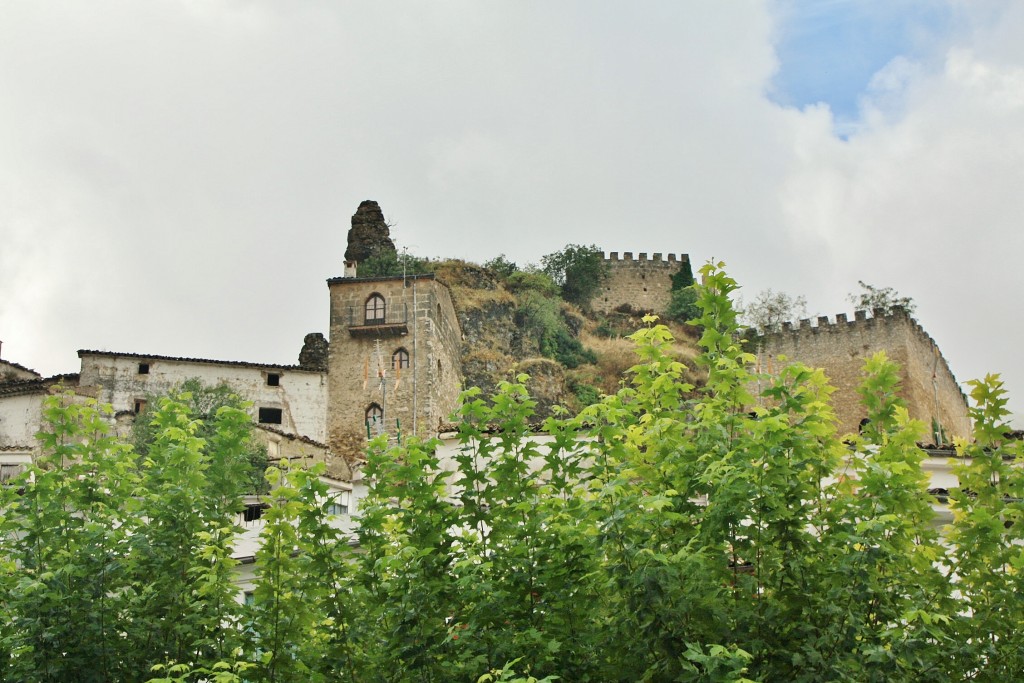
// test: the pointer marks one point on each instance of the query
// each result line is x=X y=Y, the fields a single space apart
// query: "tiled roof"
x=19 y=366
x=292 y=437
x=36 y=386
x=178 y=359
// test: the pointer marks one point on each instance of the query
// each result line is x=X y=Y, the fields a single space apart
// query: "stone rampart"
x=842 y=346
x=642 y=283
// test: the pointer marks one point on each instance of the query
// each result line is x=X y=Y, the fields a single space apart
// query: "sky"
x=177 y=177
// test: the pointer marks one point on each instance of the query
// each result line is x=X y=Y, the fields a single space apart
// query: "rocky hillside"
x=517 y=323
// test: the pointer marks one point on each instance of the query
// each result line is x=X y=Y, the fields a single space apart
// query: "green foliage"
x=530 y=280
x=666 y=533
x=870 y=298
x=501 y=267
x=682 y=306
x=540 y=317
x=392 y=264
x=578 y=270
x=203 y=403
x=683 y=277
x=113 y=568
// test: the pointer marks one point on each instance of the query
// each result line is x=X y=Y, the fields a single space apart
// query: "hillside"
x=516 y=322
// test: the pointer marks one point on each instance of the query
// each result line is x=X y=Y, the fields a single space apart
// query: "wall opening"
x=270 y=416
x=143 y=368
x=273 y=379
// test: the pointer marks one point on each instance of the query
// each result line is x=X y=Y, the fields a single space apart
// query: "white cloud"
x=181 y=175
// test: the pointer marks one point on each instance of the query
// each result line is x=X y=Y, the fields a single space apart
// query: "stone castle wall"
x=841 y=348
x=420 y=320
x=644 y=284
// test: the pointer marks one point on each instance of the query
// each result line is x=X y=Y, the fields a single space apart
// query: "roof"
x=292 y=437
x=181 y=359
x=35 y=386
x=19 y=366
x=385 y=278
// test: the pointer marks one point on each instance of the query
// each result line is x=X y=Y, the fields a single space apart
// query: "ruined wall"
x=841 y=348
x=419 y=320
x=300 y=394
x=643 y=284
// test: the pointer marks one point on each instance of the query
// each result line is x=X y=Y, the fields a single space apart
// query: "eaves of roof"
x=207 y=361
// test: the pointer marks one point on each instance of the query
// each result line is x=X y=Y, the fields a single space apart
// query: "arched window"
x=400 y=359
x=375 y=309
x=374 y=420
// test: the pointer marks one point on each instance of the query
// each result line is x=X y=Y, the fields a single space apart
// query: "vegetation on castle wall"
x=870 y=298
x=769 y=309
x=386 y=263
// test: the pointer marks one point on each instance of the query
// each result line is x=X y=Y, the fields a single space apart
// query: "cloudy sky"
x=177 y=176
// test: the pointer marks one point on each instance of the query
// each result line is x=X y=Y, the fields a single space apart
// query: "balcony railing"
x=393 y=323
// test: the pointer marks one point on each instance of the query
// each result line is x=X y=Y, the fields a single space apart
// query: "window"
x=254 y=511
x=374 y=420
x=400 y=359
x=270 y=416
x=9 y=470
x=143 y=368
x=273 y=379
x=140 y=405
x=375 y=309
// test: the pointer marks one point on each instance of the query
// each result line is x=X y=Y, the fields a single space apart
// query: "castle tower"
x=393 y=360
x=644 y=284
x=841 y=348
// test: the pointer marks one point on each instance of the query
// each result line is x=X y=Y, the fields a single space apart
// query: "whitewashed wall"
x=301 y=395
x=20 y=419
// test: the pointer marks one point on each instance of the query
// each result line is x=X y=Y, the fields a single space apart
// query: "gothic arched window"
x=400 y=359
x=375 y=309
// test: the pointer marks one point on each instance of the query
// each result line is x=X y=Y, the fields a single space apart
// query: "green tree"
x=578 y=270
x=870 y=298
x=202 y=403
x=769 y=309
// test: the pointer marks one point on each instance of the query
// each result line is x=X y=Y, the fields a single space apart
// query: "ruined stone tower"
x=393 y=363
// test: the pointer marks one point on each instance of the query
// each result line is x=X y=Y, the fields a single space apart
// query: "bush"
x=501 y=267
x=683 y=305
x=531 y=280
x=578 y=270
x=393 y=264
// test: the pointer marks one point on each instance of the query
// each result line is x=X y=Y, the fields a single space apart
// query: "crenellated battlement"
x=841 y=346
x=656 y=257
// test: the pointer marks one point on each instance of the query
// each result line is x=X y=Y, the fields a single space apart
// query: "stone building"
x=840 y=348
x=643 y=284
x=394 y=362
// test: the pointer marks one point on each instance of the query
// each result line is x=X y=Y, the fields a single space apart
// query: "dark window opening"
x=143 y=368
x=254 y=511
x=270 y=416
x=140 y=405
x=273 y=379
x=375 y=309
x=400 y=359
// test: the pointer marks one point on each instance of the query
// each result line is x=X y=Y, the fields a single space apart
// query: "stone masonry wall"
x=420 y=320
x=643 y=284
x=841 y=348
